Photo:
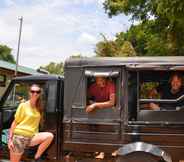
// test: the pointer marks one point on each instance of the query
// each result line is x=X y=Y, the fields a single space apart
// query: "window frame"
x=115 y=75
x=164 y=116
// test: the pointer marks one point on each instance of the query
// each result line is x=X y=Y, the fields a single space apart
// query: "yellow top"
x=27 y=120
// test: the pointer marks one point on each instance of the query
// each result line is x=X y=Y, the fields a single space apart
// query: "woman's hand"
x=10 y=139
x=10 y=144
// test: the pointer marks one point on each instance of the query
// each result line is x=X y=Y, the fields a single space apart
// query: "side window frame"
x=156 y=116
x=79 y=103
x=114 y=74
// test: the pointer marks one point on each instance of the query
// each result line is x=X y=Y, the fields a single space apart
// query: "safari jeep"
x=127 y=132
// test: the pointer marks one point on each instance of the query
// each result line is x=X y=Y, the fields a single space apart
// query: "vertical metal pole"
x=18 y=48
x=17 y=59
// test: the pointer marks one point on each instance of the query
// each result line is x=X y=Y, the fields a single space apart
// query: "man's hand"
x=90 y=108
x=154 y=106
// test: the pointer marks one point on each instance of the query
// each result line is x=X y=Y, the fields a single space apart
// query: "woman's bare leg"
x=15 y=157
x=43 y=139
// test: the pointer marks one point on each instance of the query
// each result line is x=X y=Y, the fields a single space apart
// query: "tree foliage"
x=5 y=54
x=117 y=48
x=140 y=40
x=54 y=68
x=106 y=49
x=127 y=49
x=172 y=10
x=168 y=16
x=146 y=40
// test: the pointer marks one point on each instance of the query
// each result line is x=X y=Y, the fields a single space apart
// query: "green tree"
x=106 y=49
x=146 y=40
x=140 y=40
x=54 y=68
x=127 y=49
x=117 y=48
x=5 y=54
x=168 y=18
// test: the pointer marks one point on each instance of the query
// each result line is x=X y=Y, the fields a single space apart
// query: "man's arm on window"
x=102 y=105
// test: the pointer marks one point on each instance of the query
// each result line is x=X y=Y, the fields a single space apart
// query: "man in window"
x=101 y=94
x=173 y=91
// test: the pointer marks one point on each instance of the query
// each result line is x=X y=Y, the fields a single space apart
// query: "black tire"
x=138 y=157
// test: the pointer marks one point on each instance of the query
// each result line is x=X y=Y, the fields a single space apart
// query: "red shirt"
x=101 y=94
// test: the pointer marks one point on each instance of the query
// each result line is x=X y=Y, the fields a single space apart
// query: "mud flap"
x=142 y=152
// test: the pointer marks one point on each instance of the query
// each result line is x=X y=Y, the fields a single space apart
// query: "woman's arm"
x=10 y=143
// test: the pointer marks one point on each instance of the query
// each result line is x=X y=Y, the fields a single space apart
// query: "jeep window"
x=108 y=78
x=80 y=100
x=91 y=83
x=19 y=93
x=155 y=99
x=166 y=91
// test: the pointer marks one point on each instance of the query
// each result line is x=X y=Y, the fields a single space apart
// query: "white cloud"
x=87 y=38
x=55 y=29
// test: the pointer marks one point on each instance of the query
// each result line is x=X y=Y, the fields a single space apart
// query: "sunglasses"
x=37 y=92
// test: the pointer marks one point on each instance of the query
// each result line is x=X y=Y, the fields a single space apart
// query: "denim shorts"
x=20 y=143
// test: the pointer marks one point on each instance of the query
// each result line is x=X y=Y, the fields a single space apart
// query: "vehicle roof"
x=21 y=69
x=118 y=61
x=42 y=77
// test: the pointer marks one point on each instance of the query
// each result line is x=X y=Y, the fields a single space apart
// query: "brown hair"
x=178 y=75
x=39 y=102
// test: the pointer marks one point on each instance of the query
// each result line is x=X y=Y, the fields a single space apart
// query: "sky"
x=54 y=30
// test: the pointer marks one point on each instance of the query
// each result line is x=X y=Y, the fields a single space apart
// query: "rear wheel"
x=138 y=157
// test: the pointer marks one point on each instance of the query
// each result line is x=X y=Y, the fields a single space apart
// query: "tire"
x=138 y=157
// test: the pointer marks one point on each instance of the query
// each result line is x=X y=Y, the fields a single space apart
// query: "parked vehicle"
x=130 y=129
